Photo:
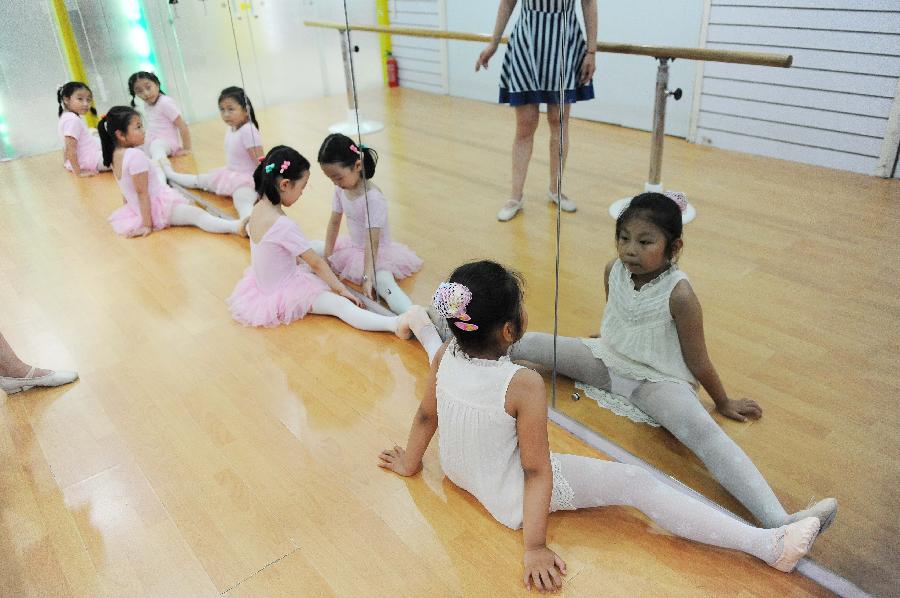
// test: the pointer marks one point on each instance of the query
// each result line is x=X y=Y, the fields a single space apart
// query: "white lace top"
x=638 y=338
x=479 y=446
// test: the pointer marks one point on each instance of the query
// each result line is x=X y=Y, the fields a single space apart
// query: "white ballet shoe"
x=798 y=539
x=509 y=210
x=825 y=511
x=564 y=202
x=13 y=385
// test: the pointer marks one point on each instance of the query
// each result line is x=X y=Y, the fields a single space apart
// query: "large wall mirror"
x=445 y=168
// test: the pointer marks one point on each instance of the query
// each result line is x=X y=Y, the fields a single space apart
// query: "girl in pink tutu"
x=243 y=148
x=81 y=150
x=287 y=278
x=350 y=167
x=167 y=133
x=150 y=204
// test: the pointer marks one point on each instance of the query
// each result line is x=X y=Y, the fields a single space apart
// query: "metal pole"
x=348 y=77
x=659 y=123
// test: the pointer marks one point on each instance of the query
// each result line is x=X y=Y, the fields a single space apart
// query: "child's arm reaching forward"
x=141 y=186
x=256 y=152
x=71 y=154
x=323 y=271
x=185 y=136
x=688 y=316
x=527 y=402
x=331 y=233
x=407 y=462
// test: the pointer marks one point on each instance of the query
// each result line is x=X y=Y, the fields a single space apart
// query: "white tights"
x=187 y=215
x=676 y=408
x=388 y=289
x=243 y=198
x=597 y=483
x=331 y=304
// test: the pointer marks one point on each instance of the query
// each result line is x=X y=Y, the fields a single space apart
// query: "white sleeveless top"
x=479 y=447
x=638 y=338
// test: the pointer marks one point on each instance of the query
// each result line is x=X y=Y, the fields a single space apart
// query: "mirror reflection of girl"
x=287 y=278
x=350 y=168
x=243 y=149
x=167 y=133
x=652 y=353
x=81 y=150
x=492 y=418
x=150 y=204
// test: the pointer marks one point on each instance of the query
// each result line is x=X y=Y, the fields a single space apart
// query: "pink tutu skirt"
x=127 y=219
x=291 y=301
x=347 y=260
x=226 y=182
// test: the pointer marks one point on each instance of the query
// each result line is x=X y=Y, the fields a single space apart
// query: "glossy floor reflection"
x=196 y=457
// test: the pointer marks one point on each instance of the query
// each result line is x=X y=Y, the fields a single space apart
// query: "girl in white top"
x=492 y=416
x=81 y=149
x=651 y=353
x=167 y=133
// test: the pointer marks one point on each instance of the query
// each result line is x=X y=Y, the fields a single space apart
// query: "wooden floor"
x=196 y=457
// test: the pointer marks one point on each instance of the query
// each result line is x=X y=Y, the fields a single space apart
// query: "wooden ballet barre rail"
x=756 y=58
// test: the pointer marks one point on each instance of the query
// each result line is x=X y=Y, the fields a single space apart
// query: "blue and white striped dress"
x=530 y=72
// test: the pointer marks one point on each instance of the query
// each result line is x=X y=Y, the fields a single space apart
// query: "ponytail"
x=340 y=149
x=281 y=162
x=116 y=119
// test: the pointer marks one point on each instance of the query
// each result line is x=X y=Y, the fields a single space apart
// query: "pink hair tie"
x=284 y=166
x=450 y=300
x=355 y=149
x=679 y=199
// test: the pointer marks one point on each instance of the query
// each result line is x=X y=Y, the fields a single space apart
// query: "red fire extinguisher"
x=393 y=74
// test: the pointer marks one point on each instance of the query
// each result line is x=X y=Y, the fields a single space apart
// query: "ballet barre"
x=663 y=54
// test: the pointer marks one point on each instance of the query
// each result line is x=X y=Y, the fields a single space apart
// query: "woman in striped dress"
x=531 y=76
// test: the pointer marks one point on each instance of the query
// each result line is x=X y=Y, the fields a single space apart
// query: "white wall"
x=831 y=108
x=624 y=85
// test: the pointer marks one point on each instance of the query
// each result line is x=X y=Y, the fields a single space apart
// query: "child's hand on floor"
x=543 y=569
x=395 y=460
x=740 y=409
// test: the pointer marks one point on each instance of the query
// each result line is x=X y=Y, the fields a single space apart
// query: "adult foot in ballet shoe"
x=825 y=511
x=564 y=202
x=36 y=377
x=440 y=323
x=798 y=539
x=510 y=209
x=403 y=329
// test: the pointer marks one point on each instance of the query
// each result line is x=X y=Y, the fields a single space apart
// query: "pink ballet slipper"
x=798 y=539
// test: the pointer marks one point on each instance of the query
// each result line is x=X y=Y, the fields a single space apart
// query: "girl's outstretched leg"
x=244 y=198
x=573 y=358
x=186 y=215
x=597 y=483
x=388 y=289
x=677 y=408
x=331 y=304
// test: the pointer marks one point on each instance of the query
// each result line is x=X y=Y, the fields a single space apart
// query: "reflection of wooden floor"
x=196 y=456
